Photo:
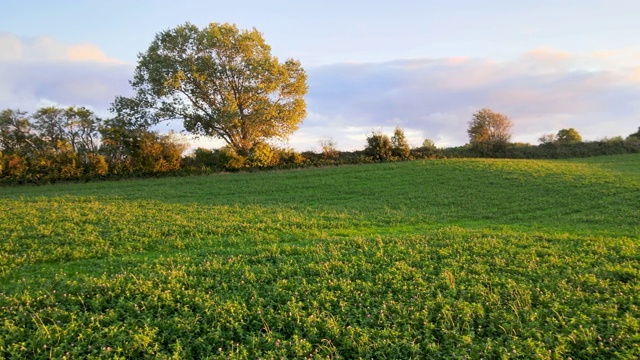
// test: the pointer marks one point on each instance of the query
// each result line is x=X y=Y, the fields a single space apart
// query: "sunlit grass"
x=475 y=258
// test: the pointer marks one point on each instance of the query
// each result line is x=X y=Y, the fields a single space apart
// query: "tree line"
x=55 y=144
x=73 y=144
x=223 y=82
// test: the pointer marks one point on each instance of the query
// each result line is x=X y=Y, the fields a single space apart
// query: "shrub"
x=290 y=158
x=97 y=165
x=206 y=158
x=328 y=148
x=378 y=147
x=15 y=166
x=262 y=155
x=231 y=160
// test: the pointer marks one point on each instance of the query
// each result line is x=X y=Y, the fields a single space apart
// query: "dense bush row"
x=379 y=150
x=555 y=150
x=73 y=144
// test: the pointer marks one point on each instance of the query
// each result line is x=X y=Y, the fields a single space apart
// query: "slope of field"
x=427 y=259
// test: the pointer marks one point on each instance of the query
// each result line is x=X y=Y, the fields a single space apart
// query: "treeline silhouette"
x=55 y=144
x=73 y=144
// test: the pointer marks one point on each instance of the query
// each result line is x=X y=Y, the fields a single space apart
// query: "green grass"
x=427 y=259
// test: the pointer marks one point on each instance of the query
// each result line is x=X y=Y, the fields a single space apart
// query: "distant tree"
x=378 y=146
x=328 y=149
x=399 y=146
x=547 y=139
x=568 y=136
x=489 y=131
x=429 y=144
x=221 y=81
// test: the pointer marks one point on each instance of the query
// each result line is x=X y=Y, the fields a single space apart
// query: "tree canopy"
x=568 y=136
x=489 y=130
x=221 y=82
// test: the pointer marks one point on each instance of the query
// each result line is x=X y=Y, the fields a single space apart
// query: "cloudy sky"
x=423 y=65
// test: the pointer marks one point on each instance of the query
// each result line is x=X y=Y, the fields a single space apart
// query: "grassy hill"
x=426 y=259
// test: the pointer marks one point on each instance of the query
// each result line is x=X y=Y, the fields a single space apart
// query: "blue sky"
x=425 y=66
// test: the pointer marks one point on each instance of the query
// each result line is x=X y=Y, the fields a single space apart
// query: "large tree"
x=221 y=82
x=489 y=130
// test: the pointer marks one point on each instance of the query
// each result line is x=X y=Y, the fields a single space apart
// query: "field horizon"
x=451 y=258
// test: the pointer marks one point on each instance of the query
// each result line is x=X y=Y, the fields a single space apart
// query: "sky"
x=423 y=65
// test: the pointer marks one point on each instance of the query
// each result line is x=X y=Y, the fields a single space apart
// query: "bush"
x=230 y=160
x=399 y=146
x=206 y=158
x=97 y=165
x=289 y=158
x=425 y=152
x=262 y=155
x=378 y=147
x=329 y=151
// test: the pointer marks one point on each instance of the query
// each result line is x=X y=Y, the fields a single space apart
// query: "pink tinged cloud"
x=41 y=71
x=543 y=90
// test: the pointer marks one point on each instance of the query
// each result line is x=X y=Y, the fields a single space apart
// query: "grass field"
x=493 y=259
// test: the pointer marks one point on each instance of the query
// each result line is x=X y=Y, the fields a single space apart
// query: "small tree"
x=399 y=146
x=378 y=146
x=429 y=144
x=489 y=131
x=635 y=135
x=568 y=136
x=547 y=139
x=328 y=148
